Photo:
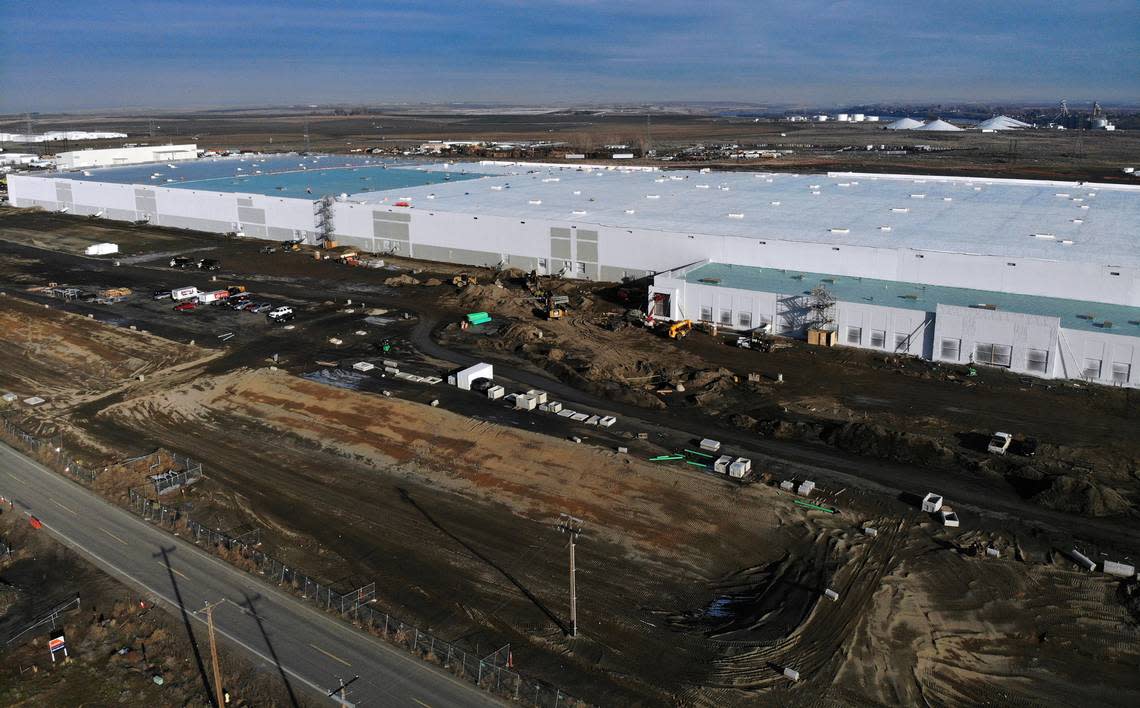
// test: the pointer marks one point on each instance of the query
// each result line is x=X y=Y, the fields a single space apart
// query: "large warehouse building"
x=953 y=269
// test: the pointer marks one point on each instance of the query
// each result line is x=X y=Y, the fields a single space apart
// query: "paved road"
x=309 y=650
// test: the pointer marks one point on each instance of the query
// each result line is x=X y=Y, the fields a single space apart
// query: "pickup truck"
x=181 y=262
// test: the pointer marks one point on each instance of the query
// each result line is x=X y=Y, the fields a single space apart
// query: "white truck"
x=185 y=293
x=999 y=443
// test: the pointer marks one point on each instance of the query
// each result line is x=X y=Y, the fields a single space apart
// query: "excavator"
x=555 y=306
x=678 y=330
x=463 y=280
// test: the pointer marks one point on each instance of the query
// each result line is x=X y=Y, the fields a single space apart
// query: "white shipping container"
x=464 y=378
x=710 y=445
x=496 y=392
x=525 y=403
x=184 y=293
x=722 y=463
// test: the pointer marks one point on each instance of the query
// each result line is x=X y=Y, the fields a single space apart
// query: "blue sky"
x=62 y=54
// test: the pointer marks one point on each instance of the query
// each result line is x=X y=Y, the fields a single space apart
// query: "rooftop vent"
x=842 y=184
x=735 y=215
x=496 y=187
x=534 y=202
x=578 y=212
x=702 y=186
x=947 y=199
x=884 y=228
x=918 y=196
x=817 y=192
x=1066 y=242
x=630 y=211
x=1061 y=194
x=652 y=196
x=900 y=210
x=577 y=192
x=839 y=231
x=551 y=179
x=813 y=186
x=1078 y=199
x=1048 y=237
x=1077 y=221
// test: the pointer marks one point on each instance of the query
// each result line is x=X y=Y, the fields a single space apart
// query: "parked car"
x=209 y=264
x=999 y=443
x=261 y=307
x=181 y=262
x=280 y=314
x=185 y=306
x=161 y=294
x=269 y=249
x=242 y=305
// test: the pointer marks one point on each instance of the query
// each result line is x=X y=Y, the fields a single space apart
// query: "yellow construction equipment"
x=678 y=330
x=463 y=280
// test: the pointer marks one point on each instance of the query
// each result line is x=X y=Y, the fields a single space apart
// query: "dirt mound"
x=1083 y=496
x=401 y=280
x=432 y=282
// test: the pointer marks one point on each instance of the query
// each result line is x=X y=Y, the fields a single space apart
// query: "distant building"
x=80 y=159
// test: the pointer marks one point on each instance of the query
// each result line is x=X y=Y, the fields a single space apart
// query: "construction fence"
x=357 y=606
x=491 y=673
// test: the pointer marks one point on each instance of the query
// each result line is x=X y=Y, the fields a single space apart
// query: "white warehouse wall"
x=481 y=240
x=1070 y=353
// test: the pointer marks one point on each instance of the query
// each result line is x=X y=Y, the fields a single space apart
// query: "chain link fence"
x=356 y=606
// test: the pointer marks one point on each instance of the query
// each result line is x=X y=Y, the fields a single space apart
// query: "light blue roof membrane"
x=1074 y=314
x=300 y=176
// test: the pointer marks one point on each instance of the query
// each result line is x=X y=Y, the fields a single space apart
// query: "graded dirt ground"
x=692 y=589
x=57 y=355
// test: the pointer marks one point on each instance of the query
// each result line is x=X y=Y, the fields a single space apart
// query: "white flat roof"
x=1059 y=221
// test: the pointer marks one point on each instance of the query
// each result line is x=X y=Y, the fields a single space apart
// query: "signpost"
x=57 y=644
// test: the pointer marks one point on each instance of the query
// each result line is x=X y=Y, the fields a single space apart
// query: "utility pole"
x=341 y=692
x=573 y=527
x=214 y=654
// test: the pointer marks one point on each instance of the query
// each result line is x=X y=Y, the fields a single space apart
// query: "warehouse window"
x=581 y=267
x=745 y=320
x=951 y=348
x=878 y=338
x=706 y=313
x=1092 y=369
x=855 y=335
x=902 y=342
x=1121 y=372
x=1036 y=360
x=764 y=323
x=993 y=354
x=726 y=318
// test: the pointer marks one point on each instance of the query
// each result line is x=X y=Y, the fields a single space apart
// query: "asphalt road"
x=309 y=650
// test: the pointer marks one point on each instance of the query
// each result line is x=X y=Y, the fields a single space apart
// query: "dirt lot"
x=876 y=405
x=117 y=642
x=693 y=589
x=60 y=357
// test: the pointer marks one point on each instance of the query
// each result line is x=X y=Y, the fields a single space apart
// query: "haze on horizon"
x=70 y=55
